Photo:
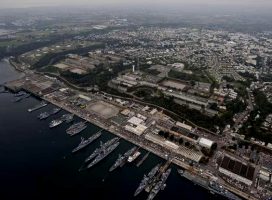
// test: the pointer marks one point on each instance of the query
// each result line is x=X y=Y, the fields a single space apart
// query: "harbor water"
x=37 y=163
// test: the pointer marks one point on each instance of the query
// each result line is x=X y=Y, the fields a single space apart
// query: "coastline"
x=148 y=148
x=151 y=147
x=14 y=65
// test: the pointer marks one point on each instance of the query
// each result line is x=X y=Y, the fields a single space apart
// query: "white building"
x=206 y=143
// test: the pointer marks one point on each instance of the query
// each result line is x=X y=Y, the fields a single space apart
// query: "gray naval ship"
x=20 y=98
x=99 y=149
x=212 y=186
x=84 y=143
x=122 y=159
x=19 y=94
x=216 y=188
x=68 y=118
x=76 y=128
x=197 y=180
x=159 y=185
x=37 y=107
x=45 y=115
x=147 y=179
x=55 y=123
x=55 y=111
x=105 y=152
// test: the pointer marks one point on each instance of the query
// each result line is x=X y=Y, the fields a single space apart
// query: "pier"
x=15 y=86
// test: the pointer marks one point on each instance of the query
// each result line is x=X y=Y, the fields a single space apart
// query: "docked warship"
x=19 y=94
x=103 y=154
x=216 y=188
x=55 y=123
x=76 y=128
x=197 y=180
x=147 y=179
x=21 y=97
x=159 y=185
x=55 y=111
x=122 y=159
x=99 y=149
x=84 y=143
x=133 y=157
x=45 y=115
x=68 y=118
x=212 y=186
x=40 y=105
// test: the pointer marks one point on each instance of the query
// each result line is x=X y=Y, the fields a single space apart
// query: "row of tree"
x=173 y=138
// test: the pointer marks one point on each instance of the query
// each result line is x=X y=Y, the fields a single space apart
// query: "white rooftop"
x=205 y=142
x=135 y=120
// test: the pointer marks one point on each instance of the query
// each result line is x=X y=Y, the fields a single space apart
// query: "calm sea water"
x=36 y=163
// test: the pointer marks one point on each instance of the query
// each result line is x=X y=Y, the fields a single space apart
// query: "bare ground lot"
x=103 y=109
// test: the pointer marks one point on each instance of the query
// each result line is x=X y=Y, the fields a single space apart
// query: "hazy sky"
x=30 y=3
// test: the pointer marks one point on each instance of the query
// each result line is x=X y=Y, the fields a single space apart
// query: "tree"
x=161 y=133
x=187 y=144
x=171 y=138
x=166 y=134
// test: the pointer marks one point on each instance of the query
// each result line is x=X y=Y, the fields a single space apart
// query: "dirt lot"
x=104 y=109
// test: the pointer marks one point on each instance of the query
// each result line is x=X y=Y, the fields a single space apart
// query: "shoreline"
x=152 y=147
x=18 y=69
x=175 y=161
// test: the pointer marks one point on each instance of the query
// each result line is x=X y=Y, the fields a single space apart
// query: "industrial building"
x=237 y=170
x=265 y=175
x=206 y=143
x=184 y=126
x=184 y=133
x=190 y=154
x=136 y=125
